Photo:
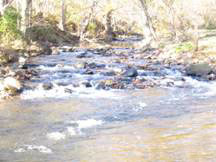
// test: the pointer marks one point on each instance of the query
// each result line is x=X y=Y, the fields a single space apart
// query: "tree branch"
x=5 y=7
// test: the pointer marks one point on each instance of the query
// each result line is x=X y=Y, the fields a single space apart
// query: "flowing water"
x=72 y=122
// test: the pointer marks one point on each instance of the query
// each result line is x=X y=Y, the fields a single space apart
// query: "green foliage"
x=184 y=47
x=95 y=27
x=92 y=27
x=8 y=25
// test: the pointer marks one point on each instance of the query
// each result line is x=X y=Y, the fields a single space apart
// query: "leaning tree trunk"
x=148 y=28
x=25 y=9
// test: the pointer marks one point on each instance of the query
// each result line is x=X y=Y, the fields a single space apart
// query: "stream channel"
x=91 y=105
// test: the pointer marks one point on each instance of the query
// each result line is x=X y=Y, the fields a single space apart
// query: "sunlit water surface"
x=154 y=124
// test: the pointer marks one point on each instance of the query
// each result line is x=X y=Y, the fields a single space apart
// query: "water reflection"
x=190 y=138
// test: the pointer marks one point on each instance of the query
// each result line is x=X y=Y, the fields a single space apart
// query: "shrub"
x=8 y=25
x=184 y=47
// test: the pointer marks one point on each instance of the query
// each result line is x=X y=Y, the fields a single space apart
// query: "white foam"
x=87 y=123
x=55 y=68
x=56 y=136
x=41 y=149
x=71 y=131
x=142 y=104
x=40 y=93
x=139 y=107
x=93 y=93
x=20 y=150
x=201 y=88
x=166 y=81
x=179 y=83
x=59 y=92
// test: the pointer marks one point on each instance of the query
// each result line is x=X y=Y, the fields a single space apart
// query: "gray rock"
x=55 y=50
x=86 y=84
x=47 y=86
x=81 y=55
x=80 y=65
x=67 y=90
x=202 y=69
x=130 y=72
x=100 y=85
x=93 y=65
x=108 y=73
x=88 y=72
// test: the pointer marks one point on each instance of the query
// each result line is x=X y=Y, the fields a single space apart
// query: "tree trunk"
x=109 y=29
x=195 y=38
x=25 y=9
x=148 y=29
x=62 y=21
x=1 y=6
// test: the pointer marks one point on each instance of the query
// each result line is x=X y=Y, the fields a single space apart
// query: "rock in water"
x=55 y=50
x=22 y=61
x=131 y=72
x=11 y=82
x=47 y=86
x=202 y=69
x=11 y=86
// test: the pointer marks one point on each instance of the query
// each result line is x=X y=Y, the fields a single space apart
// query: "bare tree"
x=85 y=22
x=173 y=15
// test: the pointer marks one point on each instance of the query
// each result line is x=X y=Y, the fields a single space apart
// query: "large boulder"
x=12 y=82
x=201 y=69
x=11 y=86
x=7 y=55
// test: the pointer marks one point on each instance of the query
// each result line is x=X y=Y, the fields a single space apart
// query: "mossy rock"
x=7 y=55
x=201 y=69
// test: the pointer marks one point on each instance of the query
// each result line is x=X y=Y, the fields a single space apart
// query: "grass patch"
x=184 y=47
x=8 y=26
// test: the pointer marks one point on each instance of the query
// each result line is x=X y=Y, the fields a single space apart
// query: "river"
x=75 y=120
